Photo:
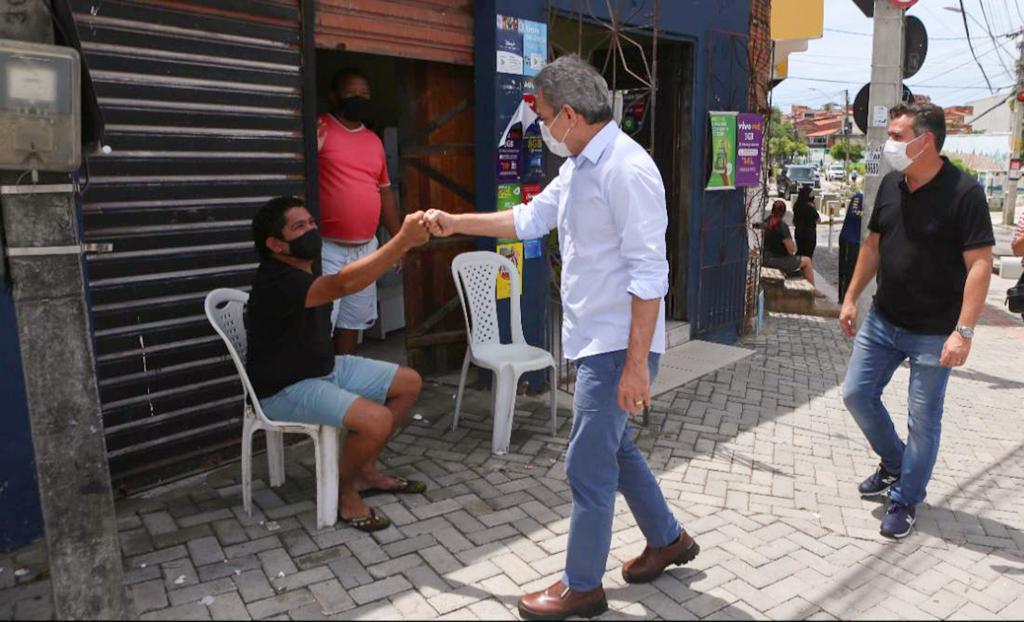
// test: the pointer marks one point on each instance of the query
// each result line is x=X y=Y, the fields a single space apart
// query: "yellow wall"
x=797 y=19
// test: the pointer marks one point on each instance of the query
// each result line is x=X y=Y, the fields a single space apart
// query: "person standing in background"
x=849 y=242
x=805 y=223
x=355 y=196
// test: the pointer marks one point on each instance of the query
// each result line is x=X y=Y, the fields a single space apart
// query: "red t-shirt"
x=353 y=169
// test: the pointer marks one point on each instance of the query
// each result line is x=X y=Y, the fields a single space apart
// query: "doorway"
x=662 y=121
x=422 y=111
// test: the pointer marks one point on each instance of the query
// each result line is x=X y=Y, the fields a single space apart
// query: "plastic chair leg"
x=275 y=458
x=504 y=406
x=554 y=400
x=318 y=463
x=327 y=477
x=462 y=389
x=248 y=425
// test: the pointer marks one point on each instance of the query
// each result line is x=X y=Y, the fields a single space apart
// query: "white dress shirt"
x=608 y=204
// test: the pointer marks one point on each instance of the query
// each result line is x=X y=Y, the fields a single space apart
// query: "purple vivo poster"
x=749 y=146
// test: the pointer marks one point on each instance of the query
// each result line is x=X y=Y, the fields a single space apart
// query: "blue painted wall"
x=21 y=519
x=718 y=244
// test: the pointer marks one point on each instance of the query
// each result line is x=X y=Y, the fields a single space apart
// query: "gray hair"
x=571 y=80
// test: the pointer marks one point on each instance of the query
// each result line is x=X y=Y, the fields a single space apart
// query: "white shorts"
x=359 y=310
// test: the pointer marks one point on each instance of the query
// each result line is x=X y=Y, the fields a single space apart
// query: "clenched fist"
x=440 y=224
x=414 y=230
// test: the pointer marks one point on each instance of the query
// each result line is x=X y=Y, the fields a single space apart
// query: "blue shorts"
x=326 y=400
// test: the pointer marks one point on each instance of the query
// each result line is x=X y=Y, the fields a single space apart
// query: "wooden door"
x=436 y=151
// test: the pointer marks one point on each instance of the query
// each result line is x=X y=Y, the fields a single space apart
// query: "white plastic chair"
x=475 y=277
x=224 y=309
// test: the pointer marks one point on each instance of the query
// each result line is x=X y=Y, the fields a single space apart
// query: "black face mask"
x=356 y=108
x=306 y=246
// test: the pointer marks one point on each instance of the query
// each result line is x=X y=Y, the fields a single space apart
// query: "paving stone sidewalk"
x=760 y=461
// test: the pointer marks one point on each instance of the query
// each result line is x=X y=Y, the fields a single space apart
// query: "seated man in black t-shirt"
x=291 y=360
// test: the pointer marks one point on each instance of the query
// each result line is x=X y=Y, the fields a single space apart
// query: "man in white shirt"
x=608 y=204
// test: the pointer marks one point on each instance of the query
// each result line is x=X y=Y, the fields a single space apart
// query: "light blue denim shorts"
x=326 y=400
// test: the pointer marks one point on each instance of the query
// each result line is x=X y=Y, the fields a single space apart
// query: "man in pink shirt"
x=355 y=196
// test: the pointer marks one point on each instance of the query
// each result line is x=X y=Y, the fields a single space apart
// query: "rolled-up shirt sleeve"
x=637 y=199
x=539 y=216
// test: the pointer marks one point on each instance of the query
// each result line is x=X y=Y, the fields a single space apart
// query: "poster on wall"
x=723 y=151
x=749 y=145
x=514 y=253
x=509 y=44
x=535 y=46
x=532 y=249
x=509 y=156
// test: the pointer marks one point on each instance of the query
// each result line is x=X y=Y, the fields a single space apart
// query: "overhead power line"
x=1008 y=35
x=927 y=86
x=967 y=30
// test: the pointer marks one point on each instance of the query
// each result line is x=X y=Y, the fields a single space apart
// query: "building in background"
x=992 y=115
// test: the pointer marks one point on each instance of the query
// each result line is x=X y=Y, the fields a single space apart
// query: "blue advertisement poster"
x=535 y=47
x=509 y=45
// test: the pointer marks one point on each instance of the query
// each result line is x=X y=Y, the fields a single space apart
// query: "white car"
x=835 y=172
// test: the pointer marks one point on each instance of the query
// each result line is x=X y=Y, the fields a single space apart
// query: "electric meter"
x=40 y=107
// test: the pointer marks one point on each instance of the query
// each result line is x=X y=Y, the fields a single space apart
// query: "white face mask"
x=557 y=147
x=896 y=154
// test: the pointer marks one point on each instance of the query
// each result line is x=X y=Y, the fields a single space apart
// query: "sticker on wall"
x=723 y=151
x=509 y=195
x=509 y=155
x=535 y=46
x=514 y=253
x=532 y=249
x=509 y=44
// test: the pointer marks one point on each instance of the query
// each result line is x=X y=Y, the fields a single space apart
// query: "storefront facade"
x=210 y=108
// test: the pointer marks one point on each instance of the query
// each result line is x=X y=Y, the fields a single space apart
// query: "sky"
x=841 y=60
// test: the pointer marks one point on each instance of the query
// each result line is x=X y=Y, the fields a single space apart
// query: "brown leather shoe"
x=653 y=562
x=558 y=602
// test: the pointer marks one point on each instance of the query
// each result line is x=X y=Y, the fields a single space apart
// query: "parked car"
x=795 y=176
x=835 y=172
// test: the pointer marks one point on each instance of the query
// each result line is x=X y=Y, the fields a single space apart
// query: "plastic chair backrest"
x=225 y=309
x=476 y=280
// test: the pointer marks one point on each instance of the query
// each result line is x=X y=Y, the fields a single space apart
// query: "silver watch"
x=966 y=332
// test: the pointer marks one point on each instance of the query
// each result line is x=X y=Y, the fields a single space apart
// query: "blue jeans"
x=602 y=459
x=880 y=347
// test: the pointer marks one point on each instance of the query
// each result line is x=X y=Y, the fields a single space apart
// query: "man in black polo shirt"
x=930 y=243
x=291 y=360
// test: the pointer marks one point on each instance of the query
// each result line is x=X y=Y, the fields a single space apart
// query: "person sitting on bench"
x=779 y=250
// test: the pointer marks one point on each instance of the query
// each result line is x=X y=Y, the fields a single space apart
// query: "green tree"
x=960 y=164
x=784 y=143
x=842 y=147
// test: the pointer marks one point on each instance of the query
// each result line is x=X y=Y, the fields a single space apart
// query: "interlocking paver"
x=759 y=460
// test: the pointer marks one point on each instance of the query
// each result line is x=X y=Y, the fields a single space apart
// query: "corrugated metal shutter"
x=437 y=30
x=204 y=110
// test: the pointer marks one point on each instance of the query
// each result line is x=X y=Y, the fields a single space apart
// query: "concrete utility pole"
x=40 y=227
x=886 y=93
x=1010 y=202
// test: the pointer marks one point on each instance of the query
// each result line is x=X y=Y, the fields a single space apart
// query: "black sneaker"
x=878 y=484
x=899 y=520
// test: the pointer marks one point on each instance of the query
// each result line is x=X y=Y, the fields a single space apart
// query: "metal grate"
x=204 y=110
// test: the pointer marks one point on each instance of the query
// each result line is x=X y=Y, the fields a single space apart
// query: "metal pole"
x=886 y=92
x=1010 y=200
x=48 y=284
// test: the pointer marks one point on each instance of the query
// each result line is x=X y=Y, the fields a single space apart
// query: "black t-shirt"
x=805 y=217
x=287 y=341
x=773 y=240
x=923 y=236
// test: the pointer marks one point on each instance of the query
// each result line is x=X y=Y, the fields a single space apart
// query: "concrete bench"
x=793 y=295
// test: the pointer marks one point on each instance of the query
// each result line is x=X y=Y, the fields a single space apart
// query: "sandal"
x=369 y=523
x=405 y=487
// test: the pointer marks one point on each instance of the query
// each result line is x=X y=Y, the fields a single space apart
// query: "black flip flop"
x=407 y=487
x=369 y=523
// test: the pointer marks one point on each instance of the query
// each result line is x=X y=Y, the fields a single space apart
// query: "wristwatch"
x=966 y=332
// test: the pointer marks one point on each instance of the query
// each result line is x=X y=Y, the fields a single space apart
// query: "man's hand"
x=848 y=319
x=955 y=351
x=635 y=388
x=440 y=224
x=414 y=231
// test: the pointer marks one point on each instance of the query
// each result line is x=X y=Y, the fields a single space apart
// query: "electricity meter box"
x=40 y=107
